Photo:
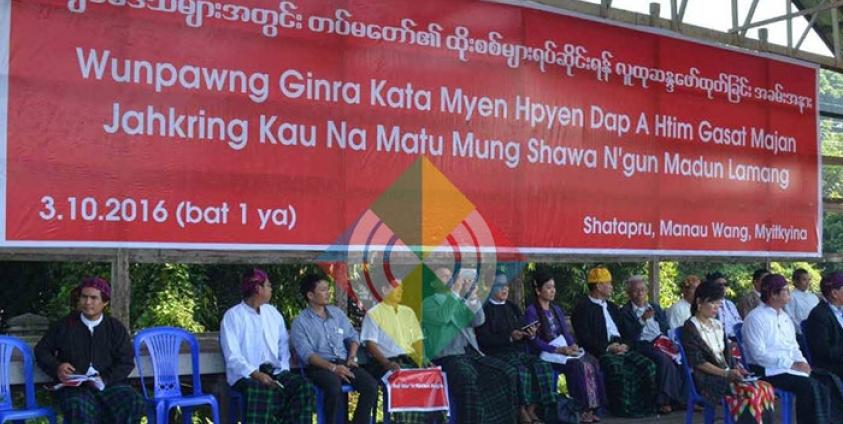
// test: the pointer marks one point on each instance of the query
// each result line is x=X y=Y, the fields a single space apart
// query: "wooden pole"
x=121 y=288
x=655 y=284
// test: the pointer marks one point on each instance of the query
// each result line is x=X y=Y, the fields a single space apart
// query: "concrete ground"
x=677 y=417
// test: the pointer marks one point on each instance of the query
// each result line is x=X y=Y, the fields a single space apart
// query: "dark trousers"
x=116 y=404
x=331 y=386
x=668 y=375
x=805 y=389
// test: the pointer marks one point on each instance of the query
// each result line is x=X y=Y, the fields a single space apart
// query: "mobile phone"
x=528 y=326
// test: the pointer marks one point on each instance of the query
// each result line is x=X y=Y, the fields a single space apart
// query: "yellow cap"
x=599 y=275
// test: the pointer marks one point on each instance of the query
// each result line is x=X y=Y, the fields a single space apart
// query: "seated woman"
x=585 y=381
x=715 y=372
x=501 y=336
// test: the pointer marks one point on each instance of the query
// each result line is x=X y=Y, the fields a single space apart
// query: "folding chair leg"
x=727 y=414
x=709 y=413
x=215 y=412
x=187 y=415
x=689 y=412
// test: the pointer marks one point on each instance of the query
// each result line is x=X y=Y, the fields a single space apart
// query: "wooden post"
x=655 y=284
x=655 y=13
x=121 y=288
x=341 y=299
x=762 y=36
x=517 y=291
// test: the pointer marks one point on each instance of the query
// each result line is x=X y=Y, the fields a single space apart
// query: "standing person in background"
x=256 y=349
x=630 y=377
x=752 y=299
x=802 y=301
x=728 y=313
x=585 y=381
x=502 y=337
x=643 y=322
x=327 y=344
x=681 y=310
x=96 y=345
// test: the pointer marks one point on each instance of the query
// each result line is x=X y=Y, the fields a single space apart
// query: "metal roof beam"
x=749 y=24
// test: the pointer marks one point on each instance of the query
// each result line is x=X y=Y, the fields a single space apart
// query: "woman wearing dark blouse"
x=715 y=371
x=501 y=336
x=585 y=382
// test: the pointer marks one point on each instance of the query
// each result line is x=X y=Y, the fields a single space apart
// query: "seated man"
x=320 y=334
x=256 y=349
x=752 y=299
x=773 y=354
x=680 y=311
x=728 y=314
x=643 y=322
x=802 y=301
x=630 y=376
x=483 y=387
x=824 y=331
x=393 y=338
x=90 y=343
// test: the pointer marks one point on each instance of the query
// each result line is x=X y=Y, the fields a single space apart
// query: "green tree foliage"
x=570 y=279
x=169 y=297
x=833 y=233
x=669 y=283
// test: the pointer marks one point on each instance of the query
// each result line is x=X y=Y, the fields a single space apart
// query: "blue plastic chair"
x=164 y=344
x=452 y=408
x=694 y=397
x=342 y=414
x=8 y=345
x=785 y=397
x=236 y=406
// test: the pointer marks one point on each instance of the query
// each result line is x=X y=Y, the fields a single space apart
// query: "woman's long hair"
x=544 y=330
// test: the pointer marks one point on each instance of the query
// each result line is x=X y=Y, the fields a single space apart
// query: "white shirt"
x=91 y=324
x=800 y=306
x=611 y=328
x=712 y=335
x=651 y=328
x=249 y=339
x=678 y=313
x=770 y=341
x=729 y=316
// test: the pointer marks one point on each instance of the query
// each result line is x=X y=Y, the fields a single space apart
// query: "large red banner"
x=281 y=125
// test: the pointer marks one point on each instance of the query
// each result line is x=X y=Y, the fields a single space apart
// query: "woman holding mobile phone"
x=585 y=381
x=716 y=373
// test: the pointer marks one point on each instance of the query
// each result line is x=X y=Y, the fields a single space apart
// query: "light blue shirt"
x=311 y=334
x=729 y=316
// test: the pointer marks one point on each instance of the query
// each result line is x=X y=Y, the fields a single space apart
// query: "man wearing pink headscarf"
x=773 y=353
x=256 y=348
x=90 y=343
